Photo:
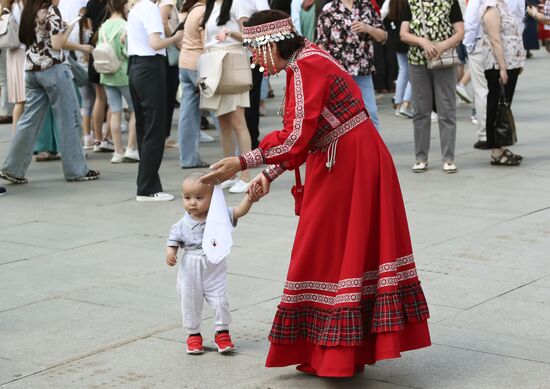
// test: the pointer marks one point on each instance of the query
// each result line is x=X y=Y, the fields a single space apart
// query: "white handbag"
x=9 y=31
x=224 y=72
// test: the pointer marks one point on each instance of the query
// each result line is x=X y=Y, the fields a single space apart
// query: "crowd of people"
x=386 y=46
x=352 y=295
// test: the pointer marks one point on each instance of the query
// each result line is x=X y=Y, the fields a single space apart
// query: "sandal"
x=511 y=155
x=13 y=179
x=45 y=156
x=90 y=176
x=507 y=158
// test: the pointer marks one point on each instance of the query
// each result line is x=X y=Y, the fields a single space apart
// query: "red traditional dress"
x=352 y=295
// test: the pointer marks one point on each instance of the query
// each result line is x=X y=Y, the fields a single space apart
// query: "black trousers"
x=492 y=76
x=172 y=84
x=385 y=63
x=252 y=114
x=148 y=89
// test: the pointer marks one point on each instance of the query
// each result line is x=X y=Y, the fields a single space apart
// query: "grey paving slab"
x=451 y=367
x=12 y=252
x=63 y=329
x=54 y=274
x=86 y=299
x=53 y=235
x=158 y=363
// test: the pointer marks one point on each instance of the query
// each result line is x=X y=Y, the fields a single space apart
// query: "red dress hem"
x=342 y=361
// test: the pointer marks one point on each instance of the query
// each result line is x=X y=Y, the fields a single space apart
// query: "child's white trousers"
x=198 y=279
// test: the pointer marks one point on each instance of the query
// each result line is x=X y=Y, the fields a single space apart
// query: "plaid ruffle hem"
x=348 y=326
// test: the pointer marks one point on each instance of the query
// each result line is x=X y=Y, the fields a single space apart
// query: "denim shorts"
x=114 y=97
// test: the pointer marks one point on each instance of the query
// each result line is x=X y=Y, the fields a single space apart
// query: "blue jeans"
x=367 y=90
x=51 y=86
x=403 y=90
x=190 y=120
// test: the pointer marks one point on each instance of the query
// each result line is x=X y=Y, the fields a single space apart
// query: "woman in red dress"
x=352 y=295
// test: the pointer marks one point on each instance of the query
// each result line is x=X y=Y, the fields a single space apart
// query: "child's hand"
x=171 y=259
x=250 y=198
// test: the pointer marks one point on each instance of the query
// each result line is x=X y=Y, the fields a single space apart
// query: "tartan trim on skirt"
x=348 y=326
x=392 y=310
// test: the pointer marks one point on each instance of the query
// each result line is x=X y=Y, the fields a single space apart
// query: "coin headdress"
x=259 y=37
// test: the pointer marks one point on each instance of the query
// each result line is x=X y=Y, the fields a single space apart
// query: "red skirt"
x=352 y=295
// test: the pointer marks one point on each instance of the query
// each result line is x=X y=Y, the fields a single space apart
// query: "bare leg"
x=116 y=117
x=228 y=144
x=238 y=122
x=98 y=113
x=465 y=80
x=86 y=125
x=107 y=131
x=132 y=143
x=18 y=109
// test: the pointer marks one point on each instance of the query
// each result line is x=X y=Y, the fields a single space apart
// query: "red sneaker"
x=223 y=341
x=194 y=344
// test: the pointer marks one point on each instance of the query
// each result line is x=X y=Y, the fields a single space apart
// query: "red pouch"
x=298 y=192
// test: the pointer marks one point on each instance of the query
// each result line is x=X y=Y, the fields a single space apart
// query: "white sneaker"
x=407 y=112
x=463 y=94
x=97 y=146
x=434 y=117
x=160 y=196
x=420 y=167
x=205 y=138
x=229 y=183
x=117 y=158
x=449 y=167
x=239 y=187
x=131 y=155
x=106 y=146
x=474 y=120
x=396 y=113
x=88 y=142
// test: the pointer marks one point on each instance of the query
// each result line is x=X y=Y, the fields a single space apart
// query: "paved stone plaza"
x=86 y=300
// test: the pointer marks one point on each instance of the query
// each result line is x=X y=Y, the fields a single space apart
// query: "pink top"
x=192 y=44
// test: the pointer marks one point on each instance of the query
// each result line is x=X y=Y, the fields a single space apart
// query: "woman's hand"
x=429 y=48
x=222 y=170
x=358 y=27
x=259 y=187
x=503 y=76
x=86 y=48
x=440 y=47
x=223 y=35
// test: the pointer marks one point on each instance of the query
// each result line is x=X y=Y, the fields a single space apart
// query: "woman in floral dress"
x=346 y=29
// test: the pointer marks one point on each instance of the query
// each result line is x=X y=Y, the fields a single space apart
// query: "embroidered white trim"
x=298 y=117
x=273 y=171
x=354 y=282
x=253 y=158
x=345 y=297
x=341 y=130
x=330 y=117
x=321 y=299
x=324 y=286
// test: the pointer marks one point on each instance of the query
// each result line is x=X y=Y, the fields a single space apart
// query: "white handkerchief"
x=217 y=240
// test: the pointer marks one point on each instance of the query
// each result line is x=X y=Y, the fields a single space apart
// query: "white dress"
x=15 y=64
x=223 y=104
